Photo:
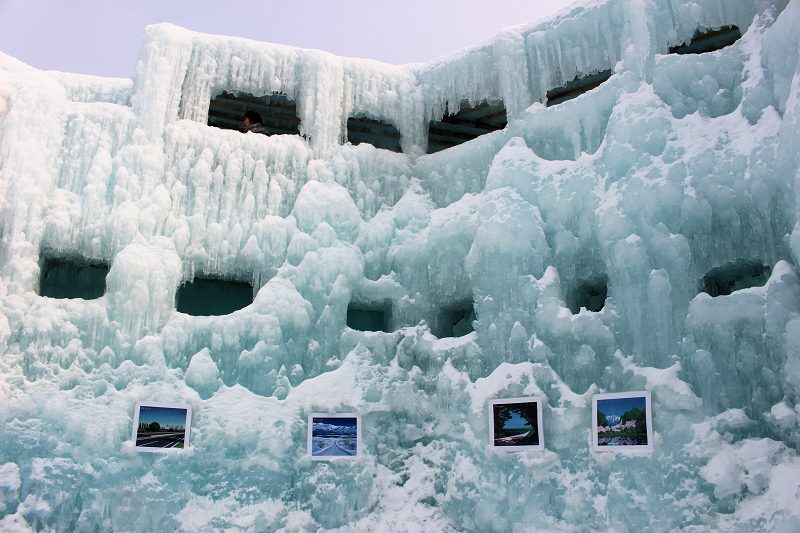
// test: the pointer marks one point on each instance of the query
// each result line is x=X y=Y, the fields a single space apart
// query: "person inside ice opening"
x=252 y=123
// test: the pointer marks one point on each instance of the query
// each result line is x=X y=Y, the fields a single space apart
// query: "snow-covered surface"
x=675 y=166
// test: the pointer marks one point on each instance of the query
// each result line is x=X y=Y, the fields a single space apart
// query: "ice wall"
x=675 y=166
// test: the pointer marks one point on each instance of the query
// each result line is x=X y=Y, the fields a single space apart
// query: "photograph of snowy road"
x=334 y=437
x=333 y=446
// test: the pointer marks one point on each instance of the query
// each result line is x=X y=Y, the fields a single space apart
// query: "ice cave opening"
x=467 y=123
x=278 y=112
x=369 y=316
x=73 y=278
x=734 y=276
x=456 y=320
x=589 y=294
x=209 y=296
x=378 y=133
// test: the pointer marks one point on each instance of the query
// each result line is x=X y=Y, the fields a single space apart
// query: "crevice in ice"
x=708 y=40
x=468 y=123
x=205 y=296
x=588 y=293
x=734 y=276
x=73 y=278
x=456 y=320
x=370 y=316
x=577 y=87
x=278 y=112
x=378 y=133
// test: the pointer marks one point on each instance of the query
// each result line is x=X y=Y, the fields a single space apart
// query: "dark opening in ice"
x=734 y=276
x=278 y=112
x=708 y=41
x=213 y=297
x=457 y=321
x=576 y=87
x=466 y=124
x=378 y=133
x=369 y=316
x=80 y=278
x=588 y=293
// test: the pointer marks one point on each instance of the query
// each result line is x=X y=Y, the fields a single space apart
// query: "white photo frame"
x=512 y=426
x=334 y=436
x=614 y=436
x=174 y=421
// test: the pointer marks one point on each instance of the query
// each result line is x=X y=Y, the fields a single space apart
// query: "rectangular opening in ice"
x=277 y=112
x=708 y=41
x=369 y=316
x=734 y=276
x=378 y=133
x=466 y=124
x=456 y=320
x=213 y=296
x=576 y=87
x=588 y=293
x=73 y=278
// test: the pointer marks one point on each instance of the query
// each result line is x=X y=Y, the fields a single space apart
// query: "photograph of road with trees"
x=622 y=421
x=161 y=427
x=516 y=424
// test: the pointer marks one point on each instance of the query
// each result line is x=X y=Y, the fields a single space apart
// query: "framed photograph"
x=622 y=422
x=158 y=427
x=331 y=436
x=515 y=424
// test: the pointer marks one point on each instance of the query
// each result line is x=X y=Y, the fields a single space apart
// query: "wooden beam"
x=234 y=124
x=708 y=41
x=261 y=109
x=392 y=135
x=576 y=87
x=478 y=107
x=468 y=124
x=492 y=116
x=289 y=104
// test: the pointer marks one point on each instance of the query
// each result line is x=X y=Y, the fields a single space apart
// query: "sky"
x=338 y=424
x=620 y=406
x=165 y=416
x=102 y=37
x=516 y=421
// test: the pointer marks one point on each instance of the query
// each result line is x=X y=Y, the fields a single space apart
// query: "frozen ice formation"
x=642 y=236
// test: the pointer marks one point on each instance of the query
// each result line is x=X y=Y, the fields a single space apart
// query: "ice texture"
x=676 y=166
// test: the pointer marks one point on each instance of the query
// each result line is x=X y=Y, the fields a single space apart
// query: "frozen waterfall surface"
x=643 y=236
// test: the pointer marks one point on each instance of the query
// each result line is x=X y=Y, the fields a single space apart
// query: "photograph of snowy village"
x=333 y=436
x=516 y=423
x=161 y=427
x=621 y=420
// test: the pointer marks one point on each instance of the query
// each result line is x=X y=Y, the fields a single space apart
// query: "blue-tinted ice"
x=576 y=246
